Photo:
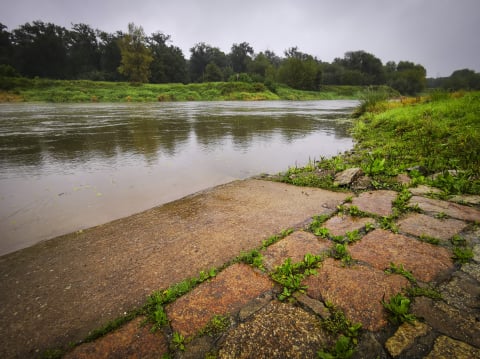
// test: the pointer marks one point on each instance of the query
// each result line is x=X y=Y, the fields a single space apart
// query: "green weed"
x=342 y=349
x=462 y=254
x=369 y=227
x=253 y=258
x=336 y=324
x=398 y=269
x=339 y=251
x=429 y=239
x=458 y=240
x=388 y=223
x=217 y=325
x=428 y=292
x=178 y=341
x=353 y=236
x=398 y=307
x=290 y=275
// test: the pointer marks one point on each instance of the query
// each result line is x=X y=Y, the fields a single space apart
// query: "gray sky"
x=441 y=35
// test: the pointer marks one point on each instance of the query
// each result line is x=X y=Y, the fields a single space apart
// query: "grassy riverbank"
x=437 y=135
x=44 y=90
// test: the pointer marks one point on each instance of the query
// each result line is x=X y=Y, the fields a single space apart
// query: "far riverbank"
x=75 y=91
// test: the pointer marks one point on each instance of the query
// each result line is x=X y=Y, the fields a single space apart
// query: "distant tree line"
x=51 y=51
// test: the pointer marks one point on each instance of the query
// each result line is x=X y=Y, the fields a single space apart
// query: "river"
x=67 y=167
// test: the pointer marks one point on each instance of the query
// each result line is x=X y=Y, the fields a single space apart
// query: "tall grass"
x=440 y=133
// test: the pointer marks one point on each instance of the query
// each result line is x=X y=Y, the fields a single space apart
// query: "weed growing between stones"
x=154 y=309
x=398 y=307
x=178 y=341
x=462 y=255
x=416 y=291
x=429 y=239
x=255 y=257
x=338 y=324
x=388 y=223
x=290 y=275
x=340 y=251
x=398 y=269
x=217 y=325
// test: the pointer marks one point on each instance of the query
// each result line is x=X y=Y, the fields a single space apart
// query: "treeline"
x=50 y=51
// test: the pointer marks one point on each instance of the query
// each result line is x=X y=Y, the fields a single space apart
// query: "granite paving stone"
x=294 y=246
x=132 y=341
x=448 y=320
x=380 y=248
x=376 y=202
x=448 y=348
x=405 y=336
x=451 y=209
x=279 y=330
x=418 y=224
x=340 y=224
x=357 y=290
x=423 y=190
x=225 y=294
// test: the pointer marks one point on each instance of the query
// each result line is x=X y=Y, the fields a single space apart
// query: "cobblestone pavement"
x=422 y=243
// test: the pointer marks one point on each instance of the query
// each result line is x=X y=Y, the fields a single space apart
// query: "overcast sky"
x=441 y=35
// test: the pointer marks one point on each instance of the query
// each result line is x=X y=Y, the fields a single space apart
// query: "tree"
x=362 y=68
x=84 y=52
x=409 y=78
x=464 y=79
x=259 y=67
x=40 y=49
x=6 y=47
x=136 y=57
x=169 y=64
x=213 y=73
x=110 y=55
x=240 y=57
x=299 y=71
x=202 y=55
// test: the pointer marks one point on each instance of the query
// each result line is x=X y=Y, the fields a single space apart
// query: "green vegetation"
x=290 y=275
x=398 y=269
x=44 y=90
x=462 y=254
x=217 y=325
x=440 y=135
x=178 y=341
x=398 y=307
x=416 y=291
x=340 y=251
x=338 y=324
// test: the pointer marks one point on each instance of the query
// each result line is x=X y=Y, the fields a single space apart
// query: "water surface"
x=67 y=167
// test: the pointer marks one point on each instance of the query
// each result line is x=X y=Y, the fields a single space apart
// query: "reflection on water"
x=67 y=167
